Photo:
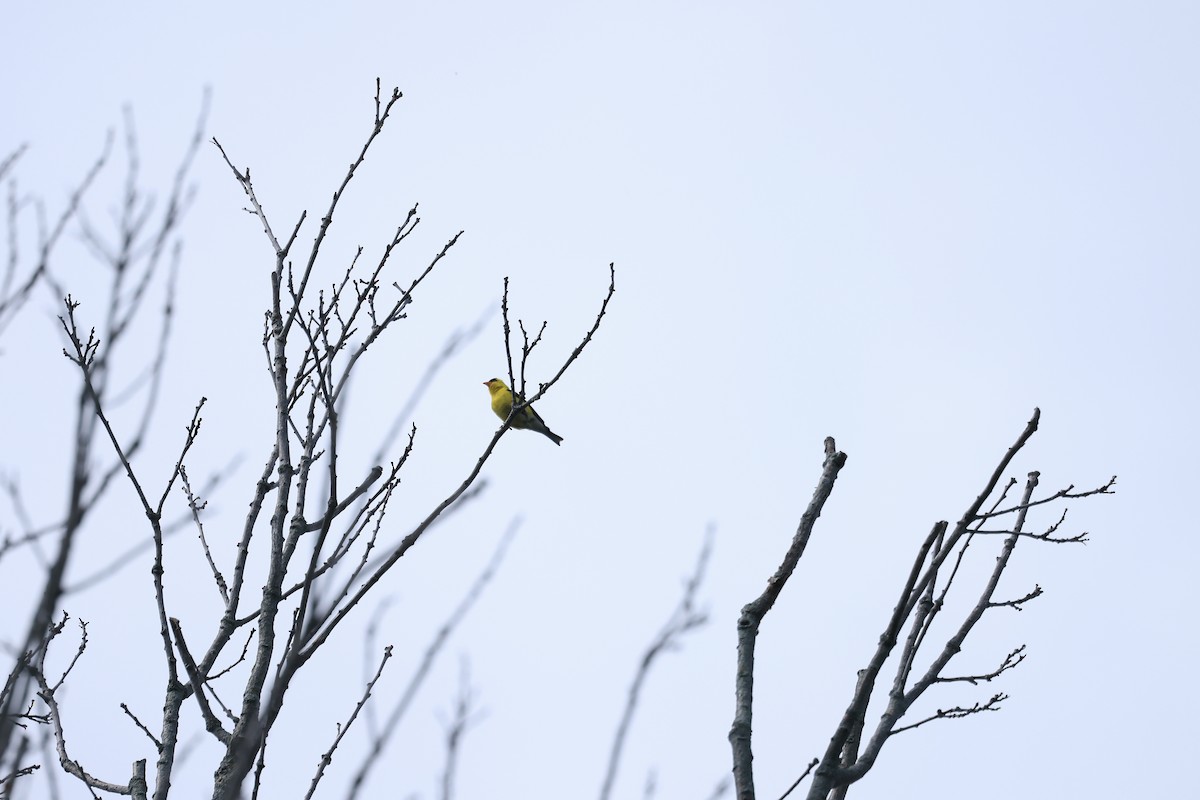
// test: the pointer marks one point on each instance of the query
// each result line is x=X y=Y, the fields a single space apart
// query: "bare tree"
x=993 y=524
x=142 y=245
x=322 y=531
x=322 y=538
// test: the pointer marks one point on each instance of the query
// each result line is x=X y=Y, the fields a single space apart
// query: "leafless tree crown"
x=317 y=540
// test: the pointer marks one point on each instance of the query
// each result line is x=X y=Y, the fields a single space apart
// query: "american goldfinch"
x=526 y=418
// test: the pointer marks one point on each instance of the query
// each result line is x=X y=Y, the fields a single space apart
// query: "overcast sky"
x=904 y=226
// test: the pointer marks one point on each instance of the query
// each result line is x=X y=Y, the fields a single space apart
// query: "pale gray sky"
x=903 y=226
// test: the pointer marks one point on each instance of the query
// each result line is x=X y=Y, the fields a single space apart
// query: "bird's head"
x=495 y=385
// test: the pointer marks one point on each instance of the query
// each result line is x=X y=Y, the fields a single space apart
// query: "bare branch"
x=800 y=780
x=920 y=603
x=141 y=727
x=47 y=695
x=211 y=723
x=327 y=757
x=7 y=781
x=958 y=712
x=684 y=619
x=10 y=303
x=752 y=617
x=587 y=338
x=1062 y=494
x=464 y=716
x=380 y=739
x=1011 y=661
x=335 y=618
x=196 y=506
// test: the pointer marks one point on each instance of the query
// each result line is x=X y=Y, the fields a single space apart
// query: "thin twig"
x=683 y=619
x=464 y=716
x=380 y=739
x=327 y=757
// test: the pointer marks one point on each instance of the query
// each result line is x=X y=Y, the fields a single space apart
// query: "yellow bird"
x=526 y=418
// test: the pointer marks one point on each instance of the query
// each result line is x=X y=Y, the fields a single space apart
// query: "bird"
x=525 y=418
